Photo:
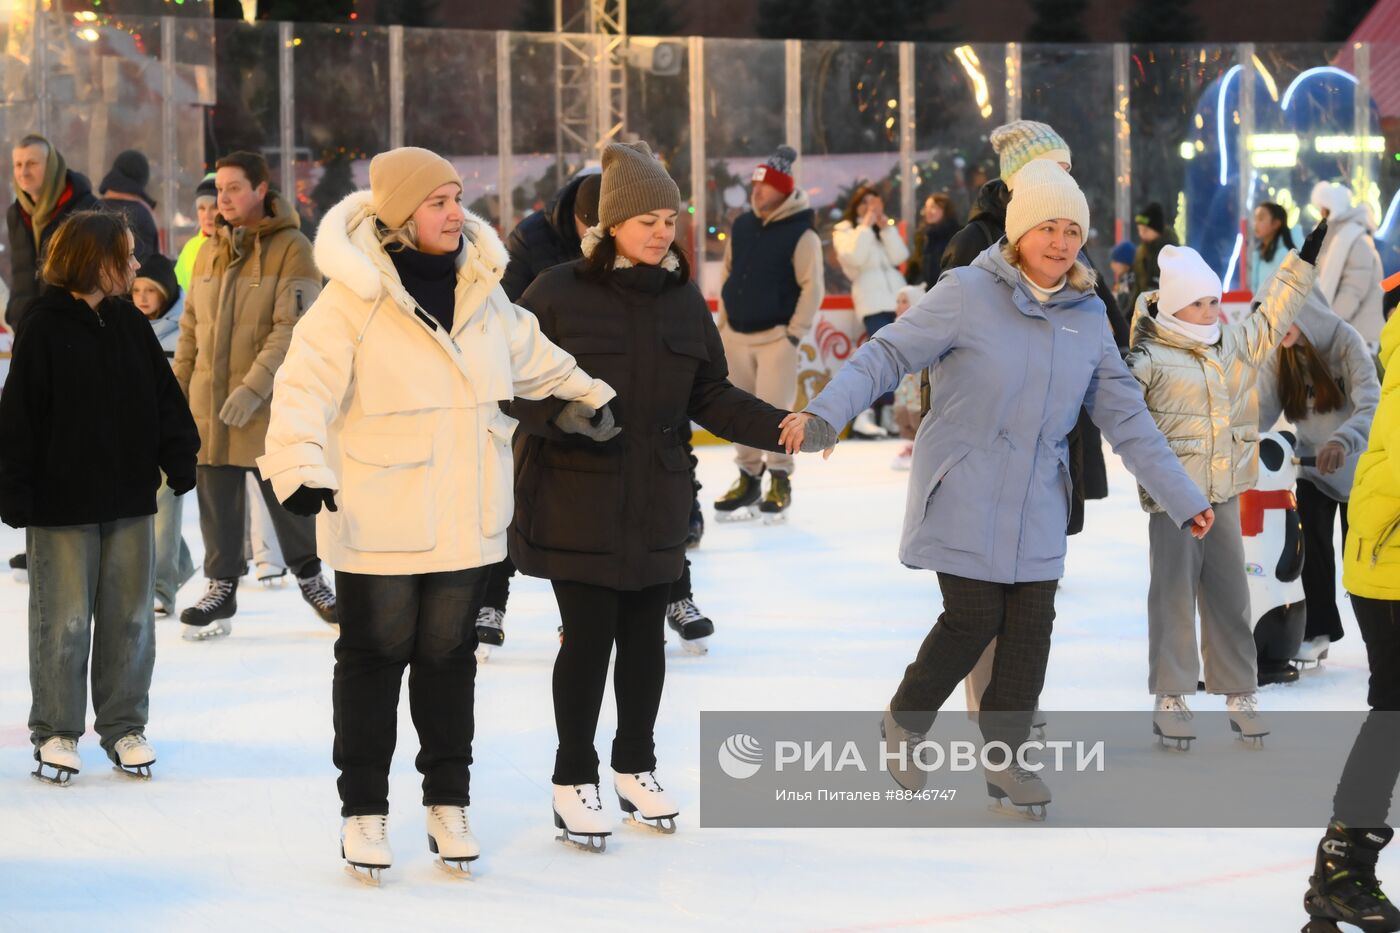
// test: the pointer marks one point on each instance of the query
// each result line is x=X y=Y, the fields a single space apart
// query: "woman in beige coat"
x=386 y=412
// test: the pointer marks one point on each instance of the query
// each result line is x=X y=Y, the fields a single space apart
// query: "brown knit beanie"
x=401 y=179
x=634 y=182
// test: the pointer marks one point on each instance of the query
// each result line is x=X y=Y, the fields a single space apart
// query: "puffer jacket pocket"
x=386 y=497
x=959 y=506
x=669 y=522
x=497 y=474
x=575 y=496
x=1244 y=456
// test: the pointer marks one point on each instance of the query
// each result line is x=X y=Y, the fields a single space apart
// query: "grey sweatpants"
x=1207 y=575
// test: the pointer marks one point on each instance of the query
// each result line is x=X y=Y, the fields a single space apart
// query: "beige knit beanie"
x=634 y=182
x=1044 y=191
x=401 y=179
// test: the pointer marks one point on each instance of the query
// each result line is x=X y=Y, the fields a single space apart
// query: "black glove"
x=180 y=484
x=794 y=340
x=1313 y=244
x=582 y=418
x=307 y=501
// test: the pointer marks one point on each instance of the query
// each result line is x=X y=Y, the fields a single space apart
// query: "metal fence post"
x=286 y=111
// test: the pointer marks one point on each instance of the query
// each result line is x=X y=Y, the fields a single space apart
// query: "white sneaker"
x=1171 y=721
x=133 y=755
x=450 y=839
x=59 y=754
x=904 y=460
x=645 y=802
x=865 y=425
x=578 y=811
x=1245 y=720
x=1314 y=650
x=364 y=844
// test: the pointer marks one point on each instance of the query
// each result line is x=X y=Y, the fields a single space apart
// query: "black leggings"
x=1318 y=512
x=1368 y=780
x=595 y=618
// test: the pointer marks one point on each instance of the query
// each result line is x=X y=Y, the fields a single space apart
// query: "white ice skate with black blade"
x=578 y=812
x=59 y=754
x=270 y=576
x=490 y=632
x=1245 y=720
x=692 y=625
x=450 y=839
x=1313 y=652
x=1171 y=722
x=1017 y=792
x=645 y=802
x=901 y=753
x=133 y=755
x=364 y=844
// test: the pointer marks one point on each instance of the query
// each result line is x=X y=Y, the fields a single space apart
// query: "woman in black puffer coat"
x=603 y=499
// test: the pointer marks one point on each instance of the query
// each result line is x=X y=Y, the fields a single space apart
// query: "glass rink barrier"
x=1207 y=131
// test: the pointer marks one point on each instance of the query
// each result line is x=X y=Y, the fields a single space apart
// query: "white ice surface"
x=239 y=828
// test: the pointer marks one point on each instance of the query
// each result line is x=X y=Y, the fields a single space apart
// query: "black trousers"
x=223 y=504
x=498 y=586
x=426 y=622
x=1318 y=512
x=595 y=619
x=1020 y=616
x=1368 y=780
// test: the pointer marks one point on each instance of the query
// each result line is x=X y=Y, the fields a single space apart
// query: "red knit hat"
x=777 y=170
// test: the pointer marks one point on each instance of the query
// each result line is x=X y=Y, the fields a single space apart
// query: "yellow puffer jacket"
x=1371 y=565
x=1203 y=398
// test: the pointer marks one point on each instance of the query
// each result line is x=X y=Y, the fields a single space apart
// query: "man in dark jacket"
x=46 y=192
x=1153 y=235
x=123 y=190
x=551 y=236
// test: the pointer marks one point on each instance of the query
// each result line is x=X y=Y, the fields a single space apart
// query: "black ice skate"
x=1343 y=887
x=319 y=596
x=775 y=505
x=692 y=625
x=1017 y=792
x=209 y=617
x=1276 y=672
x=738 y=504
x=697 y=526
x=490 y=631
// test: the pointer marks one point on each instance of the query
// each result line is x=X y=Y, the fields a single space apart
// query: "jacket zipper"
x=1389 y=532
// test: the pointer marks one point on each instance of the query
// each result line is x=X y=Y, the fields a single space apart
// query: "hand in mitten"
x=582 y=418
x=180 y=484
x=1330 y=457
x=1313 y=244
x=807 y=433
x=238 y=409
x=307 y=501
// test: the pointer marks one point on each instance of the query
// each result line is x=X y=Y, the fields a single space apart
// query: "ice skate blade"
x=21 y=576
x=483 y=653
x=1032 y=813
x=1253 y=741
x=593 y=842
x=1183 y=742
x=216 y=629
x=775 y=518
x=368 y=875
x=459 y=868
x=1320 y=925
x=664 y=824
x=273 y=583
x=59 y=778
x=135 y=772
x=745 y=513
x=696 y=646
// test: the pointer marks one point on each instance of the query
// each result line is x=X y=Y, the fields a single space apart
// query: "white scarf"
x=1336 y=249
x=1205 y=334
x=1043 y=294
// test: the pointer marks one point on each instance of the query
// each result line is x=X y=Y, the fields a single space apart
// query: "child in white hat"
x=1198 y=378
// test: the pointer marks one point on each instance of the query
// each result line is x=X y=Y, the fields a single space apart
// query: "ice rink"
x=239 y=828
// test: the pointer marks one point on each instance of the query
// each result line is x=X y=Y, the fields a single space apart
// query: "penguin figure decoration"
x=1273 y=553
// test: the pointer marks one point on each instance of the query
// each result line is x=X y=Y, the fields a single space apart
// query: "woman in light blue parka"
x=1018 y=342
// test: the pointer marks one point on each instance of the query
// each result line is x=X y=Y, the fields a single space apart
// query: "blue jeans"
x=91 y=584
x=174 y=566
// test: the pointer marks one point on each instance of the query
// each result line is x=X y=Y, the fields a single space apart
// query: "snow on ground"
x=240 y=825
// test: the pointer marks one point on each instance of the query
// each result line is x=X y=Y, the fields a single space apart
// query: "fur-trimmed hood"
x=348 y=251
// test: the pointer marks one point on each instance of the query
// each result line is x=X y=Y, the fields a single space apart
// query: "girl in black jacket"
x=604 y=515
x=90 y=416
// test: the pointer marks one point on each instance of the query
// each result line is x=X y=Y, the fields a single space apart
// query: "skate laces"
x=1175 y=704
x=1246 y=703
x=642 y=777
x=684 y=611
x=317 y=591
x=588 y=796
x=373 y=827
x=490 y=618
x=66 y=744
x=216 y=592
x=453 y=819
x=129 y=742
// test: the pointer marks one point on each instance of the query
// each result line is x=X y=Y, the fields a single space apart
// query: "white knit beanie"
x=1185 y=279
x=1332 y=196
x=1044 y=191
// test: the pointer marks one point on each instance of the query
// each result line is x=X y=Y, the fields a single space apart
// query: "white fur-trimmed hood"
x=347 y=248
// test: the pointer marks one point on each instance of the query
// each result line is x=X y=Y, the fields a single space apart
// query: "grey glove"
x=242 y=402
x=819 y=435
x=582 y=418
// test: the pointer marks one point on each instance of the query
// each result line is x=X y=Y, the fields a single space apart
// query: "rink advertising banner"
x=1103 y=770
